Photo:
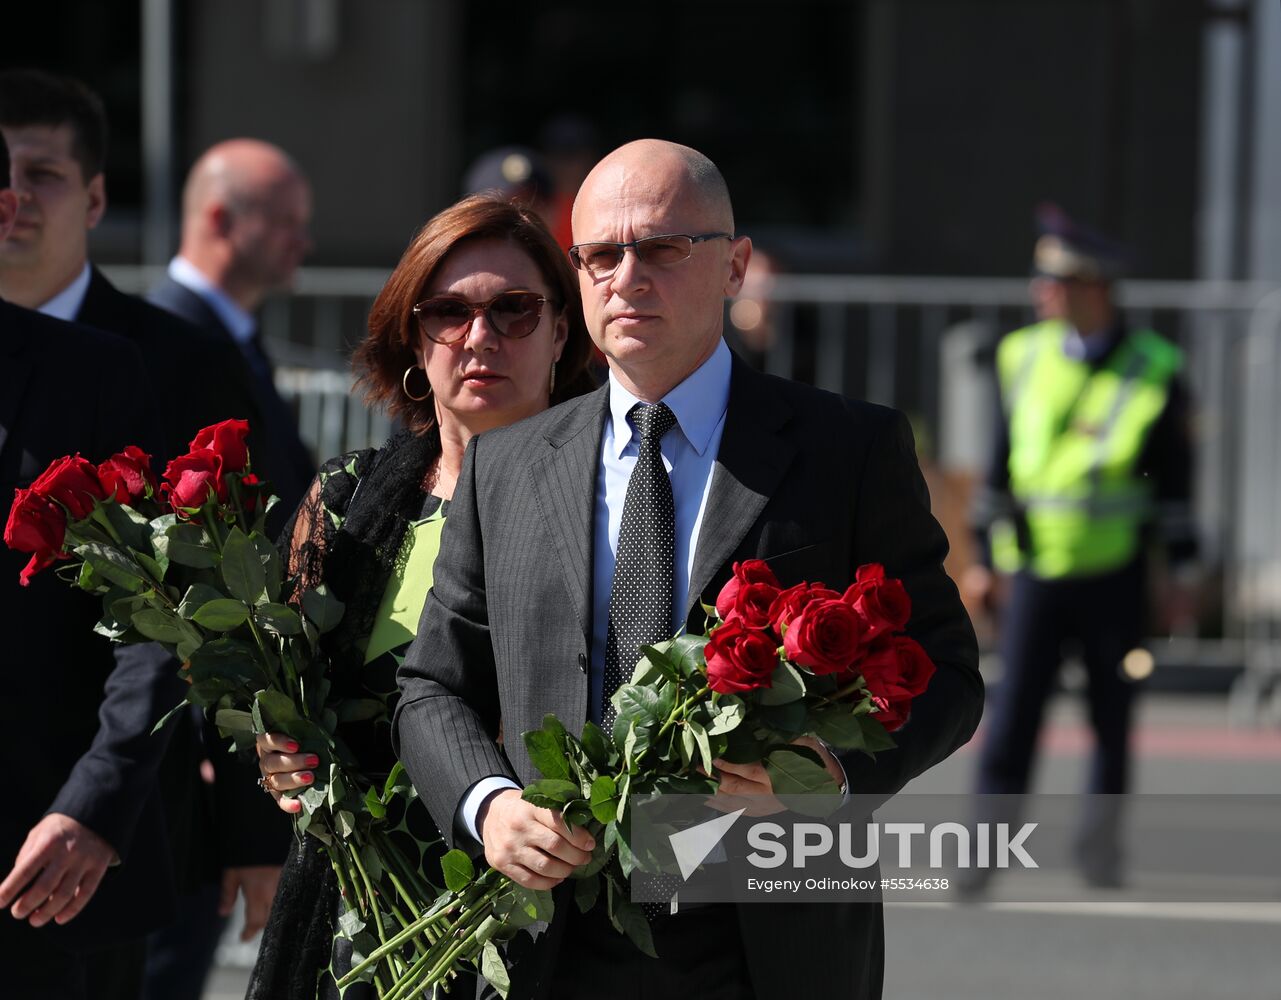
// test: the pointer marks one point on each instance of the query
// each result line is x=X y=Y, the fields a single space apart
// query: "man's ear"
x=97 y=201
x=8 y=211
x=739 y=255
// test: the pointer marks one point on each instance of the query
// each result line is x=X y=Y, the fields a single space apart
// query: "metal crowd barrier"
x=924 y=344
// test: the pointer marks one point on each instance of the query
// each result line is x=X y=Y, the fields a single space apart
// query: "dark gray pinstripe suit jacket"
x=815 y=483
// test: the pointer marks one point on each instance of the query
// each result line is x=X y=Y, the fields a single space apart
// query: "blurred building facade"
x=882 y=136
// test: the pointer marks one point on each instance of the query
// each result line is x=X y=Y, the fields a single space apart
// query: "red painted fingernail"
x=311 y=760
x=291 y=747
x=306 y=777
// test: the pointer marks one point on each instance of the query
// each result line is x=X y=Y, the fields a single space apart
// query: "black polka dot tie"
x=640 y=601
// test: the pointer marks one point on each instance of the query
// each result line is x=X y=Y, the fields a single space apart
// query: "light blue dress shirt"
x=66 y=304
x=241 y=324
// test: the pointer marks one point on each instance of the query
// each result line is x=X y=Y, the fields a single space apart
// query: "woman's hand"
x=283 y=768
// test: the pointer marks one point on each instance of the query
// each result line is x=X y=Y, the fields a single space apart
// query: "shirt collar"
x=698 y=403
x=66 y=304
x=241 y=324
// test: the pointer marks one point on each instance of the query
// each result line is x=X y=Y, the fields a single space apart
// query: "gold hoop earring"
x=551 y=383
x=404 y=384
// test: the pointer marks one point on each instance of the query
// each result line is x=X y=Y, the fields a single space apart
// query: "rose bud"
x=227 y=441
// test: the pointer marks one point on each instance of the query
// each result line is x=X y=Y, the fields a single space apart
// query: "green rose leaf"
x=221 y=615
x=280 y=618
x=493 y=969
x=458 y=870
x=630 y=919
x=655 y=662
x=269 y=556
x=637 y=704
x=274 y=710
x=197 y=596
x=604 y=800
x=687 y=651
x=373 y=803
x=730 y=711
x=799 y=771
x=242 y=570
x=111 y=564
x=586 y=892
x=551 y=793
x=161 y=626
x=704 y=745
x=350 y=923
x=186 y=544
x=322 y=608
x=875 y=737
x=547 y=754
x=595 y=745
x=841 y=729
x=786 y=686
x=234 y=720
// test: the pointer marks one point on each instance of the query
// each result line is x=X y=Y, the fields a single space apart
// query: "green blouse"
x=396 y=622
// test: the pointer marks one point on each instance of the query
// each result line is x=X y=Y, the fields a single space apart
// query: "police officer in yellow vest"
x=1092 y=461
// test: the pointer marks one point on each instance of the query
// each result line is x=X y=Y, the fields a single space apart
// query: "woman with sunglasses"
x=479 y=326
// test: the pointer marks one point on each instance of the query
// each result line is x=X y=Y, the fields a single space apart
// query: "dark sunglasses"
x=601 y=259
x=446 y=319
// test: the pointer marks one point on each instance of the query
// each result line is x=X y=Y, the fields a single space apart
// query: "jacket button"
x=582 y=662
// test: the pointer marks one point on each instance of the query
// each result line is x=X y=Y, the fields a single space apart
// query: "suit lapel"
x=564 y=481
x=753 y=456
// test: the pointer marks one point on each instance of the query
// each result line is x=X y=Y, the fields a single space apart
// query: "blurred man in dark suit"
x=82 y=833
x=245 y=211
x=227 y=836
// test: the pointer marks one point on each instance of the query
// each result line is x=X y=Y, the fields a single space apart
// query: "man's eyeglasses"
x=601 y=259
x=446 y=319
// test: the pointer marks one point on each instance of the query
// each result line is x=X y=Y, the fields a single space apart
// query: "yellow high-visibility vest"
x=1076 y=434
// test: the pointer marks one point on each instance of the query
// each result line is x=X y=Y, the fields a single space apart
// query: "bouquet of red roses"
x=776 y=665
x=185 y=561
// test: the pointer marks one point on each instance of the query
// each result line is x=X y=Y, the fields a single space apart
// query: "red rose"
x=895 y=667
x=227 y=441
x=739 y=658
x=190 y=478
x=752 y=605
x=826 y=636
x=128 y=475
x=748 y=571
x=73 y=482
x=788 y=604
x=35 y=525
x=882 y=602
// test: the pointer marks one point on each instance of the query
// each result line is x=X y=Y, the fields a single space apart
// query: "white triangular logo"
x=693 y=845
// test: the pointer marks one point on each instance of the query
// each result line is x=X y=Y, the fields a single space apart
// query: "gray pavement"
x=1100 y=949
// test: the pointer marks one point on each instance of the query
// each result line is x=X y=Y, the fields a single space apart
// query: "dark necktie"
x=640 y=601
